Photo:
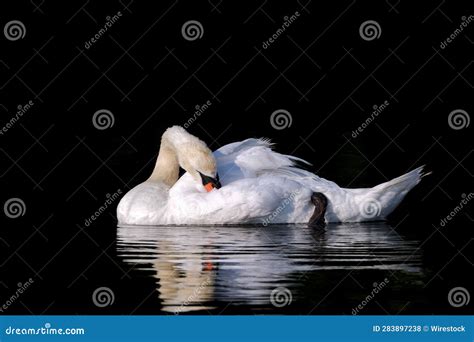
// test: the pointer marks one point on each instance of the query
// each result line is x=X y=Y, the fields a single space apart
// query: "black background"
x=150 y=77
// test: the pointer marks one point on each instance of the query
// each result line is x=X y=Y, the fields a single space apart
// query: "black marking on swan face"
x=209 y=180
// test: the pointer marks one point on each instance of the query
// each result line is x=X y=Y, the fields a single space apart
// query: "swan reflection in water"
x=197 y=267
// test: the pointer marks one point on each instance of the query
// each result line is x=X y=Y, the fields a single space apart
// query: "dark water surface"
x=346 y=268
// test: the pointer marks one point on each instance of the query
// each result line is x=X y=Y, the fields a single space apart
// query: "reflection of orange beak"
x=209 y=186
x=208 y=266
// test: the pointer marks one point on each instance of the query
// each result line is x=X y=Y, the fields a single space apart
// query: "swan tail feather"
x=378 y=202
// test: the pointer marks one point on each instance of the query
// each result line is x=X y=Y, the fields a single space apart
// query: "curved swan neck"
x=179 y=148
x=167 y=167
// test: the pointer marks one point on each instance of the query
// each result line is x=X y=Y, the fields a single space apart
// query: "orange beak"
x=209 y=187
x=210 y=183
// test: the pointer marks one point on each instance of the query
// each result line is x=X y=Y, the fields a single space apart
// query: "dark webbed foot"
x=320 y=203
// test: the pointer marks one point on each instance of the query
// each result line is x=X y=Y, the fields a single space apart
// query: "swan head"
x=198 y=160
x=194 y=156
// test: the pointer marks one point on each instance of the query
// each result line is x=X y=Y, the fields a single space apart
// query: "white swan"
x=258 y=186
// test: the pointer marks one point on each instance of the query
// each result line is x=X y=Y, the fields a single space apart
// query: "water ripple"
x=197 y=267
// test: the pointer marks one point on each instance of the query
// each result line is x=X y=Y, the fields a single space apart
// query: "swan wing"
x=254 y=157
x=239 y=146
